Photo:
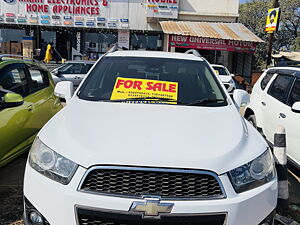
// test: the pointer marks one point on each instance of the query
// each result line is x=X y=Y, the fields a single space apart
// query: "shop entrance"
x=63 y=45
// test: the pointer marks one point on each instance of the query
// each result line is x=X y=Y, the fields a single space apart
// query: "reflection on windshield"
x=159 y=80
x=221 y=70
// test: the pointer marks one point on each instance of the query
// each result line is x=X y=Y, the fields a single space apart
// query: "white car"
x=275 y=100
x=73 y=71
x=225 y=77
x=150 y=138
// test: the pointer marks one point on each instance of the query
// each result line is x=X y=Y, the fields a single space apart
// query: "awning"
x=293 y=56
x=213 y=36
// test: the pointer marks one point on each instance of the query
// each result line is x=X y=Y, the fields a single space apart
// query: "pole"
x=271 y=39
x=281 y=168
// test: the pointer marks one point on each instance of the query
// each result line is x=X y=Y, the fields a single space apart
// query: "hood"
x=192 y=137
x=225 y=78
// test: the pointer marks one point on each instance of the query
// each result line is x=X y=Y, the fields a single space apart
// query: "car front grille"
x=165 y=183
x=112 y=217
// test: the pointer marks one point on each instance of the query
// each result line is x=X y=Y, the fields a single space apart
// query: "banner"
x=272 y=20
x=126 y=88
x=123 y=39
x=181 y=41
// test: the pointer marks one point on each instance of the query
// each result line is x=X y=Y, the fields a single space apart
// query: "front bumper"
x=59 y=203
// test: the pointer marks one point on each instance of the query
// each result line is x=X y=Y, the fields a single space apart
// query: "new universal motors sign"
x=211 y=44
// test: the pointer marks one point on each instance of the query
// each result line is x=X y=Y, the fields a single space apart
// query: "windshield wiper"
x=143 y=99
x=206 y=101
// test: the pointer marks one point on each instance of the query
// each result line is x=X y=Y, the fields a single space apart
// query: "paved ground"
x=11 y=180
x=11 y=190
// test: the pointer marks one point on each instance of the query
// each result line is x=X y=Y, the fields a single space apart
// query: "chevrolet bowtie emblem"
x=151 y=207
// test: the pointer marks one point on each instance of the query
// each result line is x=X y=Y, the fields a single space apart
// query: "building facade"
x=86 y=29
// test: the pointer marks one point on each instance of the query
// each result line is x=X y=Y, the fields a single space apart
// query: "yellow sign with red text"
x=128 y=88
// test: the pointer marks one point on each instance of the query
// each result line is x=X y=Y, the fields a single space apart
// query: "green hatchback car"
x=27 y=102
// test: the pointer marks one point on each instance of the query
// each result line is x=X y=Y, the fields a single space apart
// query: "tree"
x=253 y=15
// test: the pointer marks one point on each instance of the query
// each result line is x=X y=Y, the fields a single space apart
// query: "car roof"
x=9 y=60
x=155 y=54
x=294 y=71
x=81 y=61
x=216 y=65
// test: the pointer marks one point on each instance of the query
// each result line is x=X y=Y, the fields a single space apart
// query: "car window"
x=71 y=68
x=264 y=82
x=193 y=80
x=295 y=93
x=220 y=70
x=87 y=67
x=280 y=87
x=13 y=79
x=38 y=79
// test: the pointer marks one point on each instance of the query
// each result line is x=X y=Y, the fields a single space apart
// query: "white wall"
x=209 y=10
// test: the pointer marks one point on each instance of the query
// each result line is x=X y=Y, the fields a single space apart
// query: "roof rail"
x=19 y=56
x=194 y=52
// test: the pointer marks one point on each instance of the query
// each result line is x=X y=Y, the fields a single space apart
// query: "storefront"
x=229 y=44
x=82 y=29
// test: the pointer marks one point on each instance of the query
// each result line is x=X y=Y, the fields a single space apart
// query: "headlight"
x=51 y=164
x=253 y=174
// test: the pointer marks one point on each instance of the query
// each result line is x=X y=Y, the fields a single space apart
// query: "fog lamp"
x=35 y=218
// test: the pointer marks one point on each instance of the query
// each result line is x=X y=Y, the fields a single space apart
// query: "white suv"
x=150 y=138
x=225 y=77
x=275 y=100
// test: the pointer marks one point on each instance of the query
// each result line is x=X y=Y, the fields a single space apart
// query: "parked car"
x=73 y=71
x=27 y=102
x=275 y=100
x=150 y=138
x=225 y=77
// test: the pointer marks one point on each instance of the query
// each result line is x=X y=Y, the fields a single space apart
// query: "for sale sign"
x=128 y=88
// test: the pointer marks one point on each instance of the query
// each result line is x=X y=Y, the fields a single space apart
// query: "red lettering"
x=54 y=9
x=164 y=87
x=119 y=83
x=88 y=10
x=128 y=83
x=149 y=84
x=172 y=88
x=157 y=87
x=97 y=11
x=137 y=84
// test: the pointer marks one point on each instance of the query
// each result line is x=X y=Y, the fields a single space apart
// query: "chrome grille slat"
x=138 y=182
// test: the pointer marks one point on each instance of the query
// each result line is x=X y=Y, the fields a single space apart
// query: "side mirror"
x=296 y=107
x=241 y=97
x=232 y=75
x=11 y=100
x=64 y=89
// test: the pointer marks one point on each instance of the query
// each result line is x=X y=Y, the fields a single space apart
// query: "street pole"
x=271 y=38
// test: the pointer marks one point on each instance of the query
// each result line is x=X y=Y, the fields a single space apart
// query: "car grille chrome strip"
x=138 y=182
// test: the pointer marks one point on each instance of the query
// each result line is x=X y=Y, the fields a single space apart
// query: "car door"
x=72 y=72
x=14 y=131
x=40 y=97
x=274 y=101
x=258 y=98
x=291 y=120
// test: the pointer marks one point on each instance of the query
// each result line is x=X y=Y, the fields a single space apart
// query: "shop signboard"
x=162 y=8
x=181 y=41
x=123 y=38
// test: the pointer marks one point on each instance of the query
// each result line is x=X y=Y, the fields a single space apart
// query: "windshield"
x=153 y=80
x=221 y=70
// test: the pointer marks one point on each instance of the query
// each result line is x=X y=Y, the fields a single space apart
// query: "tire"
x=252 y=120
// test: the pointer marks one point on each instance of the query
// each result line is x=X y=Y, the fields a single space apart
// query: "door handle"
x=29 y=108
x=282 y=115
x=263 y=103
